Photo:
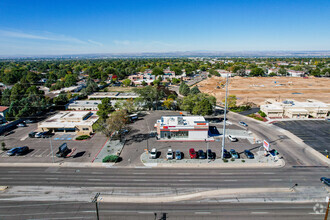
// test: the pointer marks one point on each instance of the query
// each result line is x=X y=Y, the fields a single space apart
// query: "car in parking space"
x=226 y=154
x=38 y=135
x=234 y=154
x=210 y=155
x=47 y=134
x=178 y=155
x=153 y=153
x=22 y=151
x=21 y=125
x=243 y=123
x=232 y=138
x=169 y=154
x=28 y=121
x=273 y=152
x=201 y=154
x=12 y=151
x=325 y=180
x=192 y=153
x=249 y=154
x=32 y=134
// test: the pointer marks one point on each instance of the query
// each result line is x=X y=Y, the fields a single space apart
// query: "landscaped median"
x=258 y=161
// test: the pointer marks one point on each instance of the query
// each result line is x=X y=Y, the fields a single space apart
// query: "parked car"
x=226 y=154
x=249 y=154
x=178 y=155
x=21 y=125
x=232 y=138
x=192 y=153
x=32 y=134
x=169 y=154
x=201 y=154
x=28 y=121
x=210 y=155
x=63 y=151
x=243 y=123
x=153 y=153
x=273 y=152
x=234 y=154
x=46 y=134
x=38 y=135
x=12 y=151
x=6 y=133
x=22 y=151
x=325 y=180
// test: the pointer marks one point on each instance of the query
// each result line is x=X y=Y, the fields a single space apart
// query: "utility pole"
x=327 y=211
x=224 y=120
x=96 y=205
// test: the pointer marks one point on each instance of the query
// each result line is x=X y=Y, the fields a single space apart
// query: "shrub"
x=262 y=114
x=110 y=158
x=232 y=159
x=243 y=161
x=255 y=117
x=82 y=137
x=225 y=160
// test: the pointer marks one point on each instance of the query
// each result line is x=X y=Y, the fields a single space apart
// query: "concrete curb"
x=65 y=164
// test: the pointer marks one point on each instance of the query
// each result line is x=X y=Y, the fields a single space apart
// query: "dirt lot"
x=258 y=89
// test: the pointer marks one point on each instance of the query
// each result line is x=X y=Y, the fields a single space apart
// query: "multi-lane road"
x=148 y=181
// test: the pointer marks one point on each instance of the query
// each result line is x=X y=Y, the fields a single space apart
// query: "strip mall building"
x=182 y=128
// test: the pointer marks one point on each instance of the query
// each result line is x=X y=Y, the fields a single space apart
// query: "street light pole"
x=96 y=205
x=224 y=120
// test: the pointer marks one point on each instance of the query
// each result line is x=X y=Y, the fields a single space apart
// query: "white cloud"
x=95 y=42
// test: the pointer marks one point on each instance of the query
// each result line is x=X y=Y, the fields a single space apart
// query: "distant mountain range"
x=282 y=53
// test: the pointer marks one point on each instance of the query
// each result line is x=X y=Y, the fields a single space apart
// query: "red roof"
x=3 y=108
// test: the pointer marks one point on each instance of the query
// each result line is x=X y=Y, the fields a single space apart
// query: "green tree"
x=157 y=71
x=105 y=108
x=70 y=80
x=127 y=82
x=257 y=72
x=194 y=90
x=231 y=101
x=168 y=103
x=149 y=96
x=203 y=107
x=184 y=89
x=61 y=100
x=282 y=71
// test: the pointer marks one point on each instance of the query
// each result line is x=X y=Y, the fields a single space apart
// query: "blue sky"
x=52 y=27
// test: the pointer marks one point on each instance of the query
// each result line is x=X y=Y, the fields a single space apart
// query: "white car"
x=153 y=153
x=232 y=138
x=169 y=154
x=38 y=135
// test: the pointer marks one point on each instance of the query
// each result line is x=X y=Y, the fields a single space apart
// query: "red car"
x=192 y=153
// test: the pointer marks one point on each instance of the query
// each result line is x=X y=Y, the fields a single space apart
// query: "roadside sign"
x=266 y=145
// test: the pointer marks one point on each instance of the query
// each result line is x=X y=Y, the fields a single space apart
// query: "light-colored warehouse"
x=78 y=122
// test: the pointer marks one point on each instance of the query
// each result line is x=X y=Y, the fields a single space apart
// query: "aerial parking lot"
x=315 y=133
x=40 y=148
x=141 y=139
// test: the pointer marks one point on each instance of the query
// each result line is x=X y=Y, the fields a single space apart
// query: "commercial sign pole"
x=224 y=120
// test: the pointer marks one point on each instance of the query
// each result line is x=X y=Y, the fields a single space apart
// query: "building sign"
x=201 y=123
x=266 y=145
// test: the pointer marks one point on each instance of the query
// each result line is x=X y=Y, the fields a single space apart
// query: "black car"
x=32 y=134
x=226 y=154
x=201 y=154
x=8 y=133
x=248 y=154
x=63 y=151
x=47 y=134
x=22 y=151
x=210 y=155
x=325 y=180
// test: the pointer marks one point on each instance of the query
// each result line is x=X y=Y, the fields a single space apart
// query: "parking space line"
x=34 y=152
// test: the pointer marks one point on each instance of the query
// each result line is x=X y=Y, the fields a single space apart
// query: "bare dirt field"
x=258 y=89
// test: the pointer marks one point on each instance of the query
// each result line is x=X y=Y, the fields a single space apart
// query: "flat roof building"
x=84 y=105
x=182 y=128
x=79 y=122
x=113 y=95
x=295 y=109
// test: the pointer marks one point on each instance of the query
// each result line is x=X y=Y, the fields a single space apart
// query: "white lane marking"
x=34 y=153
x=139 y=180
x=97 y=173
x=43 y=153
x=61 y=218
x=314 y=213
x=6 y=178
x=23 y=138
x=184 y=173
x=275 y=180
x=269 y=173
x=14 y=171
x=184 y=180
x=145 y=212
x=230 y=180
x=259 y=212
x=51 y=178
x=139 y=173
x=95 y=179
x=202 y=213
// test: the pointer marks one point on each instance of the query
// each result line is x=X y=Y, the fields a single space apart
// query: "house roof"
x=3 y=108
